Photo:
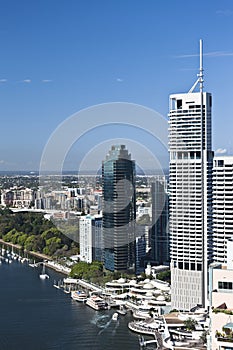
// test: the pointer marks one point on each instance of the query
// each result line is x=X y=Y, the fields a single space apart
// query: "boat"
x=33 y=264
x=122 y=310
x=115 y=316
x=79 y=295
x=44 y=275
x=97 y=303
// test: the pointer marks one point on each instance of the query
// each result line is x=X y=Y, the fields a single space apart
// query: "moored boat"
x=97 y=303
x=79 y=295
x=44 y=275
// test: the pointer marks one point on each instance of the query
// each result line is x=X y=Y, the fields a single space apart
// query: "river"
x=34 y=315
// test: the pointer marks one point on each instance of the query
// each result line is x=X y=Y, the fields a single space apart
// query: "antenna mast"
x=200 y=75
x=201 y=67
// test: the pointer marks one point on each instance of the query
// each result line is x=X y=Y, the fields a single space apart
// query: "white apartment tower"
x=90 y=238
x=222 y=206
x=190 y=195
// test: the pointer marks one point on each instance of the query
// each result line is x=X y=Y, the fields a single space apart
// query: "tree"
x=29 y=242
x=21 y=239
x=50 y=233
x=52 y=245
x=7 y=237
x=87 y=271
x=190 y=324
x=164 y=276
x=203 y=337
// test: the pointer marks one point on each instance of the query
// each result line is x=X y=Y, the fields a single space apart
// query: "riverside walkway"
x=91 y=287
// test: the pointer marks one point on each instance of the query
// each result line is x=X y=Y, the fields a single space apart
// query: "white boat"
x=44 y=275
x=115 y=316
x=122 y=310
x=79 y=295
x=33 y=264
x=97 y=303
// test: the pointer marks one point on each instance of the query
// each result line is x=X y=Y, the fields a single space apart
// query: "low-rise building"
x=221 y=305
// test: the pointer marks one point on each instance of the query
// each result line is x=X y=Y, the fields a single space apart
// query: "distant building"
x=222 y=206
x=119 y=209
x=18 y=197
x=140 y=253
x=91 y=238
x=160 y=231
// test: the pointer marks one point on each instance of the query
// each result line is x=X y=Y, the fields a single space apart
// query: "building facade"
x=221 y=303
x=160 y=230
x=119 y=209
x=91 y=238
x=190 y=197
x=222 y=206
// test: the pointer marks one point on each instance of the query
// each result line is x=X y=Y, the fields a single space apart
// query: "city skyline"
x=60 y=58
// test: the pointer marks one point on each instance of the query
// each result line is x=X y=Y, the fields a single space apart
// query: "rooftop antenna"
x=200 y=75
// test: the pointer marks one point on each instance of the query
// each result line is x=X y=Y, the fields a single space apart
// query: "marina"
x=140 y=304
x=31 y=307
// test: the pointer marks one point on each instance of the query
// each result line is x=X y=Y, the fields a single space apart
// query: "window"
x=179 y=104
x=225 y=285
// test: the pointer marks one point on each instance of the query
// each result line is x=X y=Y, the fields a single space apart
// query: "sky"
x=61 y=57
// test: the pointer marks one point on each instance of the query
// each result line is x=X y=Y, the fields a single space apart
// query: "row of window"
x=225 y=285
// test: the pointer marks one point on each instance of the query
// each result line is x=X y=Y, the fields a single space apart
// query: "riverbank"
x=19 y=247
x=48 y=259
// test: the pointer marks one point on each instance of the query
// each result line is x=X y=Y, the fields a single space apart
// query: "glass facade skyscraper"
x=119 y=209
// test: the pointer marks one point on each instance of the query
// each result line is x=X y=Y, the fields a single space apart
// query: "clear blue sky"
x=58 y=57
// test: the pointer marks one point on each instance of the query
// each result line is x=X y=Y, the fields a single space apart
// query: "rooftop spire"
x=200 y=74
x=201 y=67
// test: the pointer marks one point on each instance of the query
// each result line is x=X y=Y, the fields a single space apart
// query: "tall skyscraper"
x=119 y=209
x=191 y=160
x=222 y=206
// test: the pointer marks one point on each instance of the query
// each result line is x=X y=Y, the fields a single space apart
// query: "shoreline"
x=17 y=246
x=50 y=262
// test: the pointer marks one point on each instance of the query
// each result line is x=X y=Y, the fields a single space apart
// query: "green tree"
x=29 y=242
x=8 y=237
x=21 y=239
x=190 y=324
x=164 y=276
x=52 y=245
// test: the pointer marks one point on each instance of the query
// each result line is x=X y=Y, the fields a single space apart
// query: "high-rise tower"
x=222 y=206
x=191 y=161
x=119 y=209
